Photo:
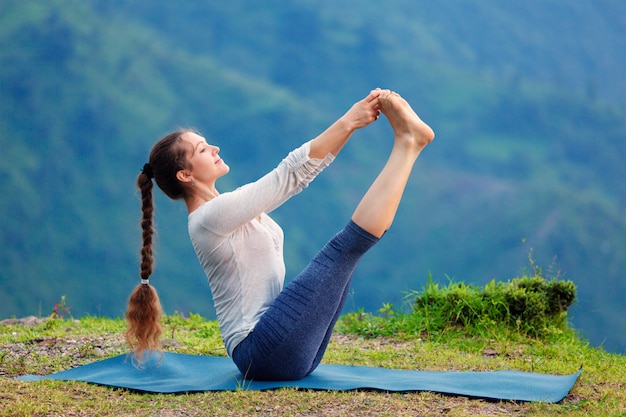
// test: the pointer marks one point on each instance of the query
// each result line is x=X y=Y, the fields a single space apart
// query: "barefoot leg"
x=377 y=208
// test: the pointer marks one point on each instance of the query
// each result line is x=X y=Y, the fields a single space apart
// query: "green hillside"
x=526 y=99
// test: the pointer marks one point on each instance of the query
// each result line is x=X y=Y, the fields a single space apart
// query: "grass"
x=388 y=339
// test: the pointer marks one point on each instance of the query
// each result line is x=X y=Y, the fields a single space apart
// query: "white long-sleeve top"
x=241 y=248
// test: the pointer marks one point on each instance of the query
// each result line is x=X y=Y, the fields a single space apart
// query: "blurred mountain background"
x=527 y=171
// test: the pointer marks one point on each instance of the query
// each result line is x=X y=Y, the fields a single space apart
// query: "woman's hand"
x=363 y=112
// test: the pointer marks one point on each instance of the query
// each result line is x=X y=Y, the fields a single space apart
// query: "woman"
x=271 y=333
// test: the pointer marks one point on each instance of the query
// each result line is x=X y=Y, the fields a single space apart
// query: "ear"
x=184 y=176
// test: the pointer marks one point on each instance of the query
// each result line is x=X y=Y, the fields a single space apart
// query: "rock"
x=29 y=321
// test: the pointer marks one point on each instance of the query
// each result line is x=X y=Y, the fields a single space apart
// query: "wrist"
x=346 y=124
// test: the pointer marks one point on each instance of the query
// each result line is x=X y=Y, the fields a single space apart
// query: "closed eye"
x=201 y=146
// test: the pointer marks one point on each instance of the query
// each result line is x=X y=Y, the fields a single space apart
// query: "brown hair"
x=168 y=156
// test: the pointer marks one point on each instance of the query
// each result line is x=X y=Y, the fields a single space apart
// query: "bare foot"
x=406 y=124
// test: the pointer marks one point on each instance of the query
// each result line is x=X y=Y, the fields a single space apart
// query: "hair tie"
x=145 y=281
x=147 y=170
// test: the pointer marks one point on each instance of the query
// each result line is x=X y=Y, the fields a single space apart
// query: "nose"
x=216 y=150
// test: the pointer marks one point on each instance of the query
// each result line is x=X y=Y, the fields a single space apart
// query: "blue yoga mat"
x=177 y=373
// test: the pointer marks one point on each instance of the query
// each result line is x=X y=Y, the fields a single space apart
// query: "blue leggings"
x=291 y=337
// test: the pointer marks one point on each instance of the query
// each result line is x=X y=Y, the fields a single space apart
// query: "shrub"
x=531 y=305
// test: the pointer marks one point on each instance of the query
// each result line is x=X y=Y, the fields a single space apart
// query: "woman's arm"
x=333 y=139
x=229 y=210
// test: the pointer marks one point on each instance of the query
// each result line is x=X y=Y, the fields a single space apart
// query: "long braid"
x=167 y=157
x=144 y=308
x=147 y=208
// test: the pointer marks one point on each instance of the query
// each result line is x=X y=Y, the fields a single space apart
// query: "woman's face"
x=206 y=165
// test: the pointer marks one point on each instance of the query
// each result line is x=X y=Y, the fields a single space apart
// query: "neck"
x=199 y=197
